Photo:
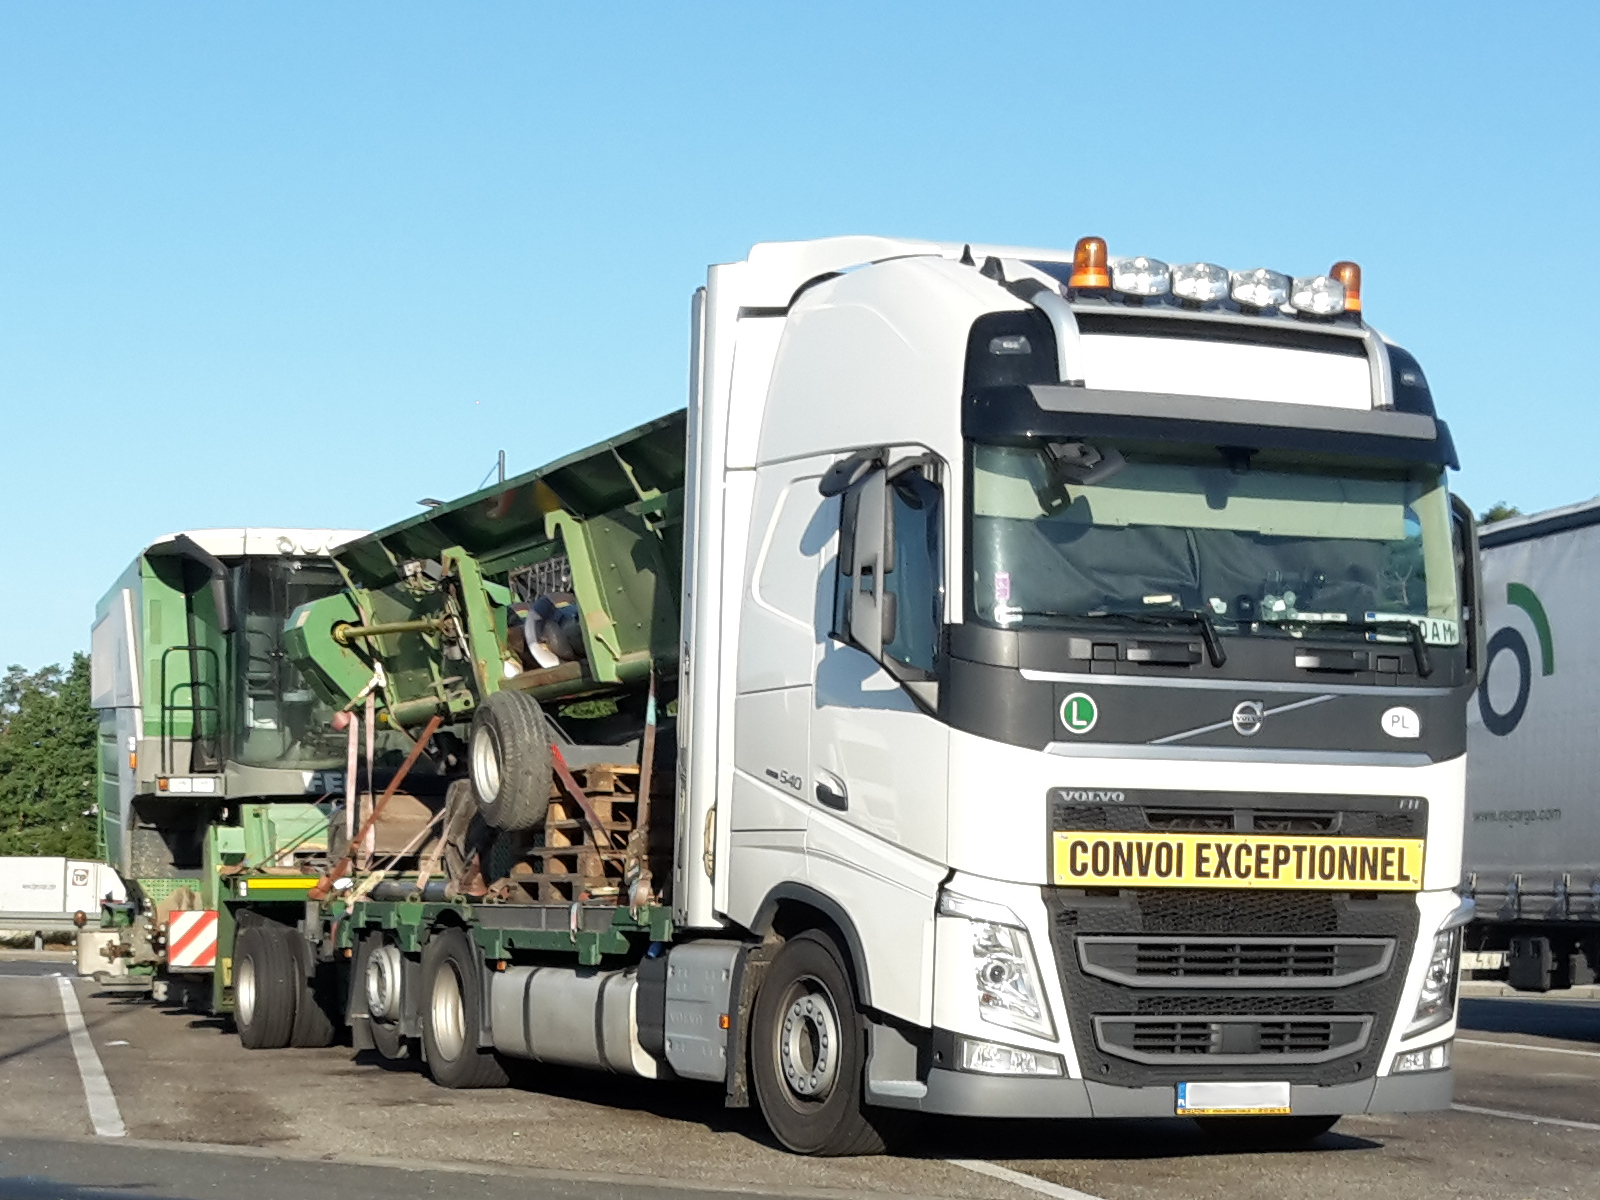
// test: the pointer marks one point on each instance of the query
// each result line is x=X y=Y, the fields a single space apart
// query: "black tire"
x=387 y=1039
x=1265 y=1133
x=316 y=1008
x=266 y=984
x=509 y=755
x=808 y=1053
x=452 y=1008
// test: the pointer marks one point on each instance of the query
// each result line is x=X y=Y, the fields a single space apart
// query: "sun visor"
x=1053 y=411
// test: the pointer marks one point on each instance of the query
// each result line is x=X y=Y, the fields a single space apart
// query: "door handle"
x=839 y=800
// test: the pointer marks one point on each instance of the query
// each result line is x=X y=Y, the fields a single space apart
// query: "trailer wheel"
x=384 y=987
x=807 y=1053
x=1265 y=1133
x=266 y=982
x=452 y=996
x=509 y=756
x=316 y=1008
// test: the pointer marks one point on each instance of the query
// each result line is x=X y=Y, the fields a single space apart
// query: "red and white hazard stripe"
x=192 y=939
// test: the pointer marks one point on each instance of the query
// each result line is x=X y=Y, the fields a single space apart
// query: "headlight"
x=1437 y=1004
x=1007 y=976
x=1434 y=1058
x=1317 y=295
x=1140 y=276
x=992 y=1058
x=1260 y=288
x=1204 y=282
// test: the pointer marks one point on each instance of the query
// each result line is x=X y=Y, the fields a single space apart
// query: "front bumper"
x=960 y=1094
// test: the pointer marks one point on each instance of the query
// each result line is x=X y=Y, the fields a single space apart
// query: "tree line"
x=47 y=762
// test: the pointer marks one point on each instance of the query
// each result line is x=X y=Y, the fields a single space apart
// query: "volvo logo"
x=1247 y=717
x=1075 y=796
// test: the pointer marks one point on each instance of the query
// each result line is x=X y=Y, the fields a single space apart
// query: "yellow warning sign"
x=1213 y=860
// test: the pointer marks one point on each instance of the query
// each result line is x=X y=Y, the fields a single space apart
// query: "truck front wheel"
x=807 y=1052
x=266 y=982
x=452 y=997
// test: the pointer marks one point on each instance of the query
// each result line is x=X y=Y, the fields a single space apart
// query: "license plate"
x=1231 y=1099
x=1221 y=860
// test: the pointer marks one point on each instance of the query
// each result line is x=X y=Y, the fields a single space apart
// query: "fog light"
x=1202 y=282
x=1434 y=1058
x=1260 y=288
x=992 y=1058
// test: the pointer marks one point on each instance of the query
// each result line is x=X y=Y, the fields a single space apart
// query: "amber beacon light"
x=1348 y=274
x=1089 y=268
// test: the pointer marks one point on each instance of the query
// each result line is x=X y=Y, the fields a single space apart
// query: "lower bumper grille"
x=1227 y=1041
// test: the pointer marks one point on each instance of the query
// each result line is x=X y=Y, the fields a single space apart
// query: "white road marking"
x=1031 y=1182
x=1531 y=1118
x=1521 y=1046
x=103 y=1112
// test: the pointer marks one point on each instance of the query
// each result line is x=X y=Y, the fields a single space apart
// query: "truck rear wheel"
x=509 y=756
x=807 y=1053
x=316 y=1006
x=266 y=980
x=452 y=997
x=1265 y=1133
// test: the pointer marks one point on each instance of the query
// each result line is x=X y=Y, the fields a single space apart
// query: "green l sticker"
x=1079 y=713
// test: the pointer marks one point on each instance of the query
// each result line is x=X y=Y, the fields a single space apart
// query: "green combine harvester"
x=214 y=752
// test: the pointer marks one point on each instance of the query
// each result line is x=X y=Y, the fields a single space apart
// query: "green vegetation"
x=1498 y=511
x=47 y=761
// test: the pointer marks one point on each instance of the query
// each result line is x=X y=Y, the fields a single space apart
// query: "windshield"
x=1255 y=540
x=279 y=720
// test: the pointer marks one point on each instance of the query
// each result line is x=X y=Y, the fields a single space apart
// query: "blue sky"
x=302 y=264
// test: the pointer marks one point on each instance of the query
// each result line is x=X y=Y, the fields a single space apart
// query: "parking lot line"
x=1522 y=1046
x=104 y=1114
x=1530 y=1118
x=1031 y=1182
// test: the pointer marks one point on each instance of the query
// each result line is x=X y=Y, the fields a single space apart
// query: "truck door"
x=878 y=754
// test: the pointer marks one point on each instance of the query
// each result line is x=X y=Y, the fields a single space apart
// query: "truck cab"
x=1085 y=641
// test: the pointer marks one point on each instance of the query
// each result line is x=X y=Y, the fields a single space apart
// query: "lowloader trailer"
x=1021 y=683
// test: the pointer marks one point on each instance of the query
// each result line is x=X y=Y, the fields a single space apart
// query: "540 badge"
x=1201 y=860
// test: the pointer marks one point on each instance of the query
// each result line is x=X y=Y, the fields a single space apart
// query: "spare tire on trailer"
x=509 y=756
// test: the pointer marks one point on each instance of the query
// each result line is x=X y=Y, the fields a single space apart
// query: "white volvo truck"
x=1070 y=669
x=1090 y=640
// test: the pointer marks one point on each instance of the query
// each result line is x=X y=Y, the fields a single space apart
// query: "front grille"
x=1230 y=1041
x=1233 y=963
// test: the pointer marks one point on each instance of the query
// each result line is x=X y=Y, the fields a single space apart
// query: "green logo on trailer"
x=1079 y=713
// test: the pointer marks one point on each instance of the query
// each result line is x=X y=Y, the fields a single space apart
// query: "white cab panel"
x=891 y=894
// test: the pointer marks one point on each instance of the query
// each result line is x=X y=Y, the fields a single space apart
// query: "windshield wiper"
x=1410 y=630
x=1198 y=618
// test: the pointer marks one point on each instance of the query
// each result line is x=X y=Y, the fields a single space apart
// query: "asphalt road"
x=207 y=1118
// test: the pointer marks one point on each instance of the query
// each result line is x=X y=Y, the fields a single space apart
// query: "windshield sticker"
x=1079 y=713
x=1002 y=586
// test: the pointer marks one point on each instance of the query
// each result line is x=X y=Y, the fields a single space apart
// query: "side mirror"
x=1471 y=580
x=848 y=472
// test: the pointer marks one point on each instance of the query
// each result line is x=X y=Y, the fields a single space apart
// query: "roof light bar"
x=1201 y=282
x=1349 y=275
x=1260 y=288
x=1140 y=276
x=1318 y=295
x=1089 y=265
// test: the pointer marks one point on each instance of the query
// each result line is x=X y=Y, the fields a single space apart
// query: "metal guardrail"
x=38 y=922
